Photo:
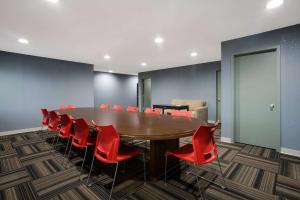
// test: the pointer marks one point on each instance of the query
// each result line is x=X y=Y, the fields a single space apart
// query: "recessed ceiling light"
x=144 y=64
x=107 y=57
x=274 y=4
x=23 y=41
x=53 y=1
x=110 y=71
x=158 y=40
x=194 y=54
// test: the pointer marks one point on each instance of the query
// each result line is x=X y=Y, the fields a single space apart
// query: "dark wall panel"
x=188 y=82
x=115 y=89
x=28 y=83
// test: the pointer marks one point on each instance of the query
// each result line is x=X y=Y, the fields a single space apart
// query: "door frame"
x=218 y=71
x=278 y=85
x=143 y=92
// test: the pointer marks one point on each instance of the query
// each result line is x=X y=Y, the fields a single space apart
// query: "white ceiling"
x=86 y=30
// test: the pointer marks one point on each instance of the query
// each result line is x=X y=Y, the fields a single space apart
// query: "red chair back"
x=107 y=144
x=71 y=106
x=45 y=113
x=104 y=106
x=181 y=113
x=63 y=107
x=53 y=121
x=117 y=108
x=81 y=133
x=153 y=111
x=132 y=109
x=66 y=125
x=204 y=146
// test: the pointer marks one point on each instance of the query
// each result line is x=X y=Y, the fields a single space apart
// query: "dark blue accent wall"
x=288 y=39
x=114 y=88
x=187 y=82
x=28 y=83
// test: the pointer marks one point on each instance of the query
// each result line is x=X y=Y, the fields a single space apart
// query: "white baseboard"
x=226 y=139
x=20 y=131
x=292 y=152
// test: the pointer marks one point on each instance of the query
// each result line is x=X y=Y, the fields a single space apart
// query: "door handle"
x=219 y=99
x=272 y=106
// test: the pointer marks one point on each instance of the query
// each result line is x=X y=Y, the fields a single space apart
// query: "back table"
x=163 y=131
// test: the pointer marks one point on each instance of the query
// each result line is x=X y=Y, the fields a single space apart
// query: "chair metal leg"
x=166 y=163
x=144 y=158
x=87 y=181
x=67 y=147
x=224 y=186
x=69 y=153
x=56 y=143
x=113 y=184
x=86 y=148
x=201 y=197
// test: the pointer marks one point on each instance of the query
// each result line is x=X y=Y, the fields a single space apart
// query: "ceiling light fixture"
x=23 y=41
x=107 y=57
x=194 y=54
x=110 y=71
x=144 y=64
x=53 y=1
x=158 y=40
x=274 y=4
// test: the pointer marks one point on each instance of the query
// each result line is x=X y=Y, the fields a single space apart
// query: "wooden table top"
x=139 y=125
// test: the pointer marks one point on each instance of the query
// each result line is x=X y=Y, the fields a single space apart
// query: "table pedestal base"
x=157 y=157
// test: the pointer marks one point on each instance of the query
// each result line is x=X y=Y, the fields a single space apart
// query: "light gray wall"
x=288 y=39
x=28 y=83
x=187 y=82
x=115 y=89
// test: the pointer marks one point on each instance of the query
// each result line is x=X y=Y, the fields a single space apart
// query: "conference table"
x=163 y=131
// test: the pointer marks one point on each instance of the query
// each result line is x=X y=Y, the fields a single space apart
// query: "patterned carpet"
x=30 y=170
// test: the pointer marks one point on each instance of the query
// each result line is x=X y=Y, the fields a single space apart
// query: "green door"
x=218 y=95
x=257 y=111
x=146 y=93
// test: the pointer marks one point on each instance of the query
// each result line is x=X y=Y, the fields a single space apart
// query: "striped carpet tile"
x=257 y=162
x=55 y=183
x=287 y=187
x=290 y=166
x=81 y=192
x=23 y=191
x=9 y=164
x=12 y=178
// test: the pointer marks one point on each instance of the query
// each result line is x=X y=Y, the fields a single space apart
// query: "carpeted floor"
x=29 y=170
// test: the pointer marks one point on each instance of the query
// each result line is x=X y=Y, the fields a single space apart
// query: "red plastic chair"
x=81 y=138
x=66 y=123
x=203 y=150
x=109 y=150
x=132 y=109
x=104 y=106
x=156 y=111
x=117 y=108
x=45 y=119
x=181 y=113
x=71 y=106
x=53 y=121
x=63 y=107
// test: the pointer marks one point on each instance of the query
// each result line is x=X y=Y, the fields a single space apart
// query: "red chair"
x=117 y=108
x=109 y=150
x=203 y=150
x=181 y=113
x=63 y=107
x=81 y=138
x=156 y=111
x=53 y=121
x=71 y=106
x=132 y=109
x=45 y=120
x=104 y=106
x=66 y=123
